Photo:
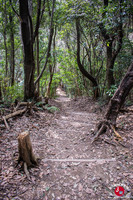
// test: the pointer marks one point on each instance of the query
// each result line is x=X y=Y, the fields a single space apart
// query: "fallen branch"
x=5 y=118
x=19 y=112
x=6 y=124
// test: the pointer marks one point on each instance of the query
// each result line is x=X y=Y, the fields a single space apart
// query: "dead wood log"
x=19 y=112
x=25 y=150
x=16 y=112
x=5 y=118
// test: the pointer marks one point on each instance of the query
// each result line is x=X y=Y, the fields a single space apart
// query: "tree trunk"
x=119 y=97
x=12 y=56
x=82 y=69
x=49 y=86
x=5 y=38
x=38 y=64
x=49 y=42
x=109 y=67
x=0 y=91
x=116 y=103
x=52 y=68
x=27 y=38
x=113 y=42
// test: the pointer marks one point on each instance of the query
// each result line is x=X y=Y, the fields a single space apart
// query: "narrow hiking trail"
x=71 y=168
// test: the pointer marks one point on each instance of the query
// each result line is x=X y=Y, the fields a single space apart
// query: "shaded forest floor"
x=66 y=134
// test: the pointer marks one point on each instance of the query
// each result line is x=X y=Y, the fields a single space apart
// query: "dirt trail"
x=71 y=167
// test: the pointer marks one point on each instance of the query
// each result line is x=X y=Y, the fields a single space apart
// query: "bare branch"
x=15 y=11
x=39 y=17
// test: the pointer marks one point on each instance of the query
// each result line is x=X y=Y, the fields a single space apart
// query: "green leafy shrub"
x=51 y=109
x=13 y=92
x=111 y=91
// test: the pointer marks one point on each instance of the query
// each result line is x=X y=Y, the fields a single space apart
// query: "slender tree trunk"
x=82 y=69
x=6 y=54
x=49 y=85
x=109 y=67
x=27 y=38
x=12 y=55
x=0 y=91
x=49 y=43
x=5 y=38
x=38 y=65
x=52 y=69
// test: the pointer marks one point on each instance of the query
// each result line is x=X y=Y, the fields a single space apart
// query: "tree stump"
x=25 y=150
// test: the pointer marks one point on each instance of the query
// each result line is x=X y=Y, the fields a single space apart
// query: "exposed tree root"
x=116 y=133
x=26 y=171
x=108 y=142
x=114 y=106
x=28 y=104
x=100 y=129
x=104 y=127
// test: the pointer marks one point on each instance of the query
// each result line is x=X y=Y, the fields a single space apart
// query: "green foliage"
x=51 y=109
x=111 y=91
x=93 y=48
x=39 y=104
x=12 y=93
x=129 y=102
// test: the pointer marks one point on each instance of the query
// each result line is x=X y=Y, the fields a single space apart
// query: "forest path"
x=76 y=168
x=71 y=167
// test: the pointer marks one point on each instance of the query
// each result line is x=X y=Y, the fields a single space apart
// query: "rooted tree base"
x=105 y=127
x=115 y=104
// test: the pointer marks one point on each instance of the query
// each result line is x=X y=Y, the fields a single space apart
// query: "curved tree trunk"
x=116 y=103
x=82 y=69
x=119 y=97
